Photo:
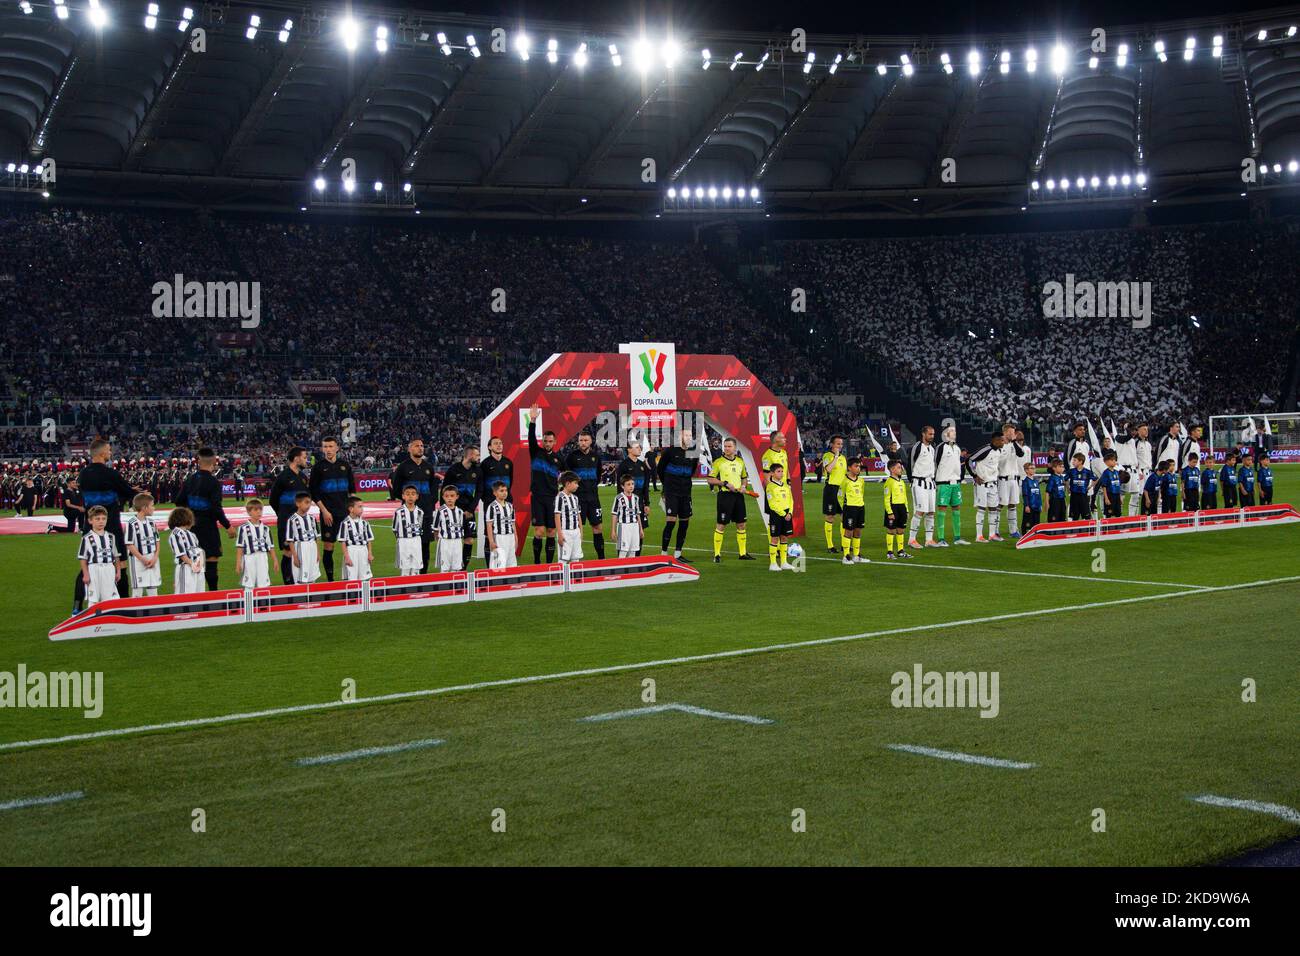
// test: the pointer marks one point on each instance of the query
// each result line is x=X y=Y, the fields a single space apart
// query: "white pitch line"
x=961 y=757
x=368 y=752
x=639 y=665
x=42 y=801
x=1278 y=810
x=879 y=562
x=682 y=708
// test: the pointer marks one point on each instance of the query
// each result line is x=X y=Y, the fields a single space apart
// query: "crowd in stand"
x=389 y=312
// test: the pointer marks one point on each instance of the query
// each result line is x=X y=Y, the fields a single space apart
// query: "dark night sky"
x=971 y=16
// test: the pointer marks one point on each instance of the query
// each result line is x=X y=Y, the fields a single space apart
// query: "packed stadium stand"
x=646 y=200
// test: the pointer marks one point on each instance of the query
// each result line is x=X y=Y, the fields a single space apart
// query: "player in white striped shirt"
x=627 y=519
x=190 y=560
x=100 y=562
x=449 y=531
x=300 y=534
x=253 y=547
x=568 y=518
x=499 y=517
x=357 y=537
x=141 y=539
x=408 y=528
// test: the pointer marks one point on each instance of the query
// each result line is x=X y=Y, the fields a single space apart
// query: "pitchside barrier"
x=1143 y=526
x=169 y=612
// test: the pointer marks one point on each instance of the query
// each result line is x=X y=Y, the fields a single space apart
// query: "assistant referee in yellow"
x=834 y=465
x=727 y=478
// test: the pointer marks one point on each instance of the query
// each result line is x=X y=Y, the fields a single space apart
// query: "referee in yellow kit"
x=834 y=465
x=728 y=478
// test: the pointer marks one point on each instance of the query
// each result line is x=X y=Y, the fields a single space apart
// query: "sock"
x=781 y=552
x=537 y=550
x=123 y=587
x=916 y=525
x=598 y=542
x=550 y=550
x=741 y=537
x=682 y=525
x=995 y=521
x=286 y=570
x=856 y=545
x=956 y=524
x=929 y=527
x=424 y=555
x=844 y=536
x=150 y=592
x=78 y=593
x=466 y=551
x=772 y=552
x=898 y=546
x=830 y=533
x=210 y=574
x=889 y=542
x=942 y=517
x=667 y=536
x=979 y=523
x=329 y=565
x=717 y=542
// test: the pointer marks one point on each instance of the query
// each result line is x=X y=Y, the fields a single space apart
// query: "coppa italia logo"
x=766 y=418
x=652 y=369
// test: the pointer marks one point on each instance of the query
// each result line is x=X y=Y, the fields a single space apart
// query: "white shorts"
x=307 y=569
x=923 y=492
x=103 y=583
x=1137 y=479
x=571 y=550
x=1008 y=491
x=450 y=554
x=257 y=570
x=359 y=569
x=986 y=495
x=142 y=577
x=186 y=581
x=408 y=556
x=503 y=555
x=629 y=537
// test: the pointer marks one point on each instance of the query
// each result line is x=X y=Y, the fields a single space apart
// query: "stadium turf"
x=1124 y=690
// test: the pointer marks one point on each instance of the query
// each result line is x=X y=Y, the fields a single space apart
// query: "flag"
x=1104 y=433
x=1092 y=439
x=1267 y=428
x=706 y=453
x=892 y=437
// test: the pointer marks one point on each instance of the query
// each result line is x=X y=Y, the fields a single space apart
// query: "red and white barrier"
x=628 y=572
x=166 y=612
x=417 y=590
x=529 y=579
x=1143 y=526
x=283 y=602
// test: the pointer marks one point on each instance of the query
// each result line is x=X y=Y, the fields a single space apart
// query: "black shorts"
x=677 y=506
x=1229 y=497
x=896 y=520
x=855 y=517
x=543 y=511
x=330 y=532
x=830 y=500
x=1209 y=501
x=779 y=526
x=591 y=510
x=1247 y=498
x=731 y=507
x=1266 y=496
x=209 y=536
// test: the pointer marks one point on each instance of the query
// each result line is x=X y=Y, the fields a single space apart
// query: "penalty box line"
x=639 y=665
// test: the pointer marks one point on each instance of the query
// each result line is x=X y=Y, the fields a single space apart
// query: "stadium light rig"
x=349 y=32
x=187 y=17
x=150 y=19
x=1094 y=186
x=470 y=42
x=253 y=23
x=26 y=8
x=580 y=56
x=712 y=199
x=552 y=50
x=1121 y=60
x=283 y=36
x=60 y=10
x=97 y=15
x=381 y=39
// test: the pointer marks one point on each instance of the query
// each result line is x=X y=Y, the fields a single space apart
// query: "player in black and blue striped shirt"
x=1209 y=485
x=1228 y=475
x=1246 y=481
x=1031 y=496
x=1265 y=480
x=1110 y=484
x=1191 y=476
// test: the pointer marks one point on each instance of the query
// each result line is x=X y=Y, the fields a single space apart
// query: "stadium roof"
x=560 y=120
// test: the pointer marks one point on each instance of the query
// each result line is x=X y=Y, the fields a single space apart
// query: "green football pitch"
x=1130 y=682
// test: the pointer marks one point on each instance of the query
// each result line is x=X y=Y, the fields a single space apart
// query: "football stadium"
x=473 y=438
